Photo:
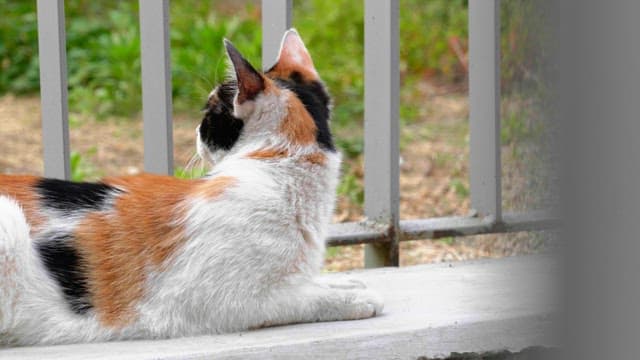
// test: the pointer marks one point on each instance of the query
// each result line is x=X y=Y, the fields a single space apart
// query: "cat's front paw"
x=364 y=304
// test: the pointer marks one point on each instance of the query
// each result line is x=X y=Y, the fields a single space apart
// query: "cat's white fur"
x=250 y=260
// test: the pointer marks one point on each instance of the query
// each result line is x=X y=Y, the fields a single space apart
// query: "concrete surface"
x=430 y=310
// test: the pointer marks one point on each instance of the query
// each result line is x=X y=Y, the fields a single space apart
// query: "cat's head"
x=287 y=106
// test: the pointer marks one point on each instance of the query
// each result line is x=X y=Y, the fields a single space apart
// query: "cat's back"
x=14 y=248
x=14 y=234
x=13 y=224
x=80 y=254
x=22 y=190
x=16 y=194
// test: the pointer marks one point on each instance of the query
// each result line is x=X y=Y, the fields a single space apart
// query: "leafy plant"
x=460 y=188
x=333 y=251
x=193 y=173
x=449 y=240
x=19 y=72
x=427 y=29
x=518 y=125
x=351 y=147
x=351 y=187
x=81 y=170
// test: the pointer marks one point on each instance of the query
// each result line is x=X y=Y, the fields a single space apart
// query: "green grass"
x=196 y=173
x=81 y=169
x=333 y=251
x=447 y=240
x=460 y=188
x=351 y=187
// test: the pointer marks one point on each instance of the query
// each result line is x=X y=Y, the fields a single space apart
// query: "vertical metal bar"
x=53 y=88
x=156 y=86
x=484 y=102
x=381 y=146
x=276 y=19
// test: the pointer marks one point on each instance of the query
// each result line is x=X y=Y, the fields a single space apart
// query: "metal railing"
x=383 y=230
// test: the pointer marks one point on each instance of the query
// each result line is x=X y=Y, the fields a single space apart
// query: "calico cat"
x=151 y=256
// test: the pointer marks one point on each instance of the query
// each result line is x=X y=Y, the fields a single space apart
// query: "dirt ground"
x=434 y=179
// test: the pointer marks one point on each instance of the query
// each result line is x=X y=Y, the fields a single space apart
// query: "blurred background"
x=103 y=57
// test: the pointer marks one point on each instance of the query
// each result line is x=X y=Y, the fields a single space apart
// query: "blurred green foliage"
x=104 y=49
x=351 y=187
x=428 y=28
x=81 y=169
x=191 y=173
x=103 y=56
x=18 y=47
x=103 y=52
x=525 y=39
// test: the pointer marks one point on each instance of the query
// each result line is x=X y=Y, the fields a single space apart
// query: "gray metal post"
x=484 y=101
x=156 y=86
x=53 y=88
x=381 y=146
x=276 y=19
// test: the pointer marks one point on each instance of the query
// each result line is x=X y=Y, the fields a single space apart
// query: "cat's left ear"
x=294 y=57
x=250 y=81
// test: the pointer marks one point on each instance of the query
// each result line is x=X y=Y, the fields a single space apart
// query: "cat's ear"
x=250 y=81
x=294 y=56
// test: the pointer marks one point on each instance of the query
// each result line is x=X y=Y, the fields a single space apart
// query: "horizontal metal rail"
x=353 y=233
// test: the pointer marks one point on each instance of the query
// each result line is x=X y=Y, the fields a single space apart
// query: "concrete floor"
x=430 y=311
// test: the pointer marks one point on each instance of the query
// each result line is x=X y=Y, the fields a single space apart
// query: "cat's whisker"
x=199 y=75
x=194 y=158
x=202 y=166
x=188 y=168
x=221 y=58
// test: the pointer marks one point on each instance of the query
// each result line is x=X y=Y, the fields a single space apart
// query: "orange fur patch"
x=270 y=87
x=211 y=189
x=21 y=188
x=316 y=158
x=142 y=231
x=266 y=154
x=298 y=126
x=285 y=70
x=294 y=56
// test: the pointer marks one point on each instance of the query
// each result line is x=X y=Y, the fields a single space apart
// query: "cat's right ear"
x=250 y=81
x=293 y=58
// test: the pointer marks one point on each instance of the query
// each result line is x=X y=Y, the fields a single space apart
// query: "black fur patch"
x=316 y=100
x=64 y=264
x=219 y=128
x=67 y=196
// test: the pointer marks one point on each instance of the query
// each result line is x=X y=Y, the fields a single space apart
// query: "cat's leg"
x=14 y=248
x=32 y=306
x=316 y=301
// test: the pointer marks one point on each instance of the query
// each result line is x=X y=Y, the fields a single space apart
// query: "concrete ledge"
x=430 y=310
